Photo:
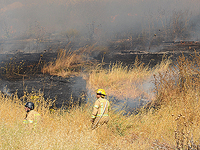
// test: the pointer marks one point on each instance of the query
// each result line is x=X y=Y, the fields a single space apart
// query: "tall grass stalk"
x=124 y=81
x=69 y=63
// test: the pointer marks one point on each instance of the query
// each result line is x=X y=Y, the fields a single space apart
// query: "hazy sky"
x=17 y=16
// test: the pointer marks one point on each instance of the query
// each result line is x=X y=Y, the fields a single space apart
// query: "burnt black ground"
x=153 y=55
x=66 y=89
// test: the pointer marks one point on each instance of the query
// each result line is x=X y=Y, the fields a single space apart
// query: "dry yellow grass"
x=172 y=122
x=69 y=63
x=66 y=64
x=60 y=129
x=124 y=81
x=173 y=119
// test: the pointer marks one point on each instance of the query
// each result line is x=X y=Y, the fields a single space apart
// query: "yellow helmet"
x=101 y=91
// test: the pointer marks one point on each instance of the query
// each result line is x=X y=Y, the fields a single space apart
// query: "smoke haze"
x=145 y=21
x=105 y=18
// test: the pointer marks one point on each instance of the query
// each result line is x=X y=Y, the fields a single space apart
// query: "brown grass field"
x=170 y=121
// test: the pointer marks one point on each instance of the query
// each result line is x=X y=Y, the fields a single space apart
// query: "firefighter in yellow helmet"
x=100 y=113
x=32 y=117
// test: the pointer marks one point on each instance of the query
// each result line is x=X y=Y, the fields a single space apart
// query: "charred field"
x=22 y=71
x=143 y=53
x=48 y=47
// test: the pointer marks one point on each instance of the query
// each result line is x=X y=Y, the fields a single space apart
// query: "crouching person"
x=32 y=117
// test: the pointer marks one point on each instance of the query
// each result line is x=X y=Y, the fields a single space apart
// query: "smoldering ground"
x=141 y=24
